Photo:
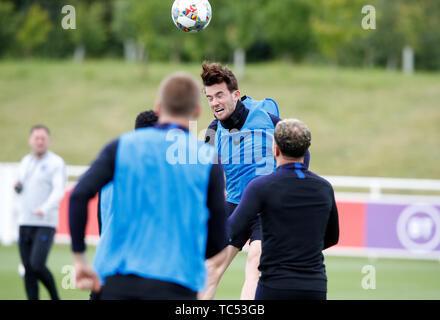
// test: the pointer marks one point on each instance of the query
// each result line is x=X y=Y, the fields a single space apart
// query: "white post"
x=79 y=53
x=130 y=50
x=239 y=62
x=375 y=190
x=408 y=60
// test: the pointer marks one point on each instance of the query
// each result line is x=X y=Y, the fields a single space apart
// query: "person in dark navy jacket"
x=299 y=219
x=168 y=212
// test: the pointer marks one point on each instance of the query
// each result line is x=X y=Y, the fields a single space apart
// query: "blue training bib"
x=247 y=153
x=158 y=225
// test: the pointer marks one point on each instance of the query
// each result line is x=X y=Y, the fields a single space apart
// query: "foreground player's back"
x=160 y=208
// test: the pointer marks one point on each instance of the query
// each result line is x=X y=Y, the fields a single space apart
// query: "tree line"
x=318 y=31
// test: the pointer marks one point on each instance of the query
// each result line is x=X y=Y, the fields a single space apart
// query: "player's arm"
x=18 y=185
x=246 y=212
x=239 y=223
x=217 y=236
x=217 y=233
x=332 y=231
x=58 y=185
x=98 y=175
x=99 y=213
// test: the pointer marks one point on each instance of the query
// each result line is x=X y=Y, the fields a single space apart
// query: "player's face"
x=221 y=100
x=39 y=141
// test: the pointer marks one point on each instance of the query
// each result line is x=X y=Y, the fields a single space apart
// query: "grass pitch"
x=395 y=279
x=364 y=122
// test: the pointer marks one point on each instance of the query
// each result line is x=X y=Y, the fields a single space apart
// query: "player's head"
x=221 y=89
x=179 y=96
x=145 y=119
x=39 y=139
x=292 y=139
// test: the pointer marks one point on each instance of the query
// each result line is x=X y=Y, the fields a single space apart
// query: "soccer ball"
x=191 y=15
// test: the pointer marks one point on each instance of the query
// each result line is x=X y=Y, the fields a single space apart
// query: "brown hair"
x=39 y=126
x=179 y=94
x=214 y=73
x=293 y=138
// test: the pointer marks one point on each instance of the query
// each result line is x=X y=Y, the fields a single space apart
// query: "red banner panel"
x=351 y=223
x=92 y=221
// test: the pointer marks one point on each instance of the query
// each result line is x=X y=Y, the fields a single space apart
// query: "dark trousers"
x=132 y=287
x=254 y=233
x=34 y=244
x=265 y=293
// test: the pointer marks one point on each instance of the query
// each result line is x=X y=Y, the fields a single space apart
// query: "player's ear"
x=237 y=95
x=158 y=109
x=276 y=150
x=197 y=111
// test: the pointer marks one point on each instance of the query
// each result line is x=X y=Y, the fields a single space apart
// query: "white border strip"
x=387 y=198
x=65 y=239
x=374 y=253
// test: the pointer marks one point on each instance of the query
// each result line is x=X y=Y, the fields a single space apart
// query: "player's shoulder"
x=213 y=125
x=110 y=149
x=262 y=182
x=55 y=158
x=275 y=119
x=26 y=158
x=319 y=179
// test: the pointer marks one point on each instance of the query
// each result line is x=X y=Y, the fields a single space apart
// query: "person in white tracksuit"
x=40 y=186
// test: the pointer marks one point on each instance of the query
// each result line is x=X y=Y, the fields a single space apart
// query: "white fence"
x=375 y=196
x=376 y=185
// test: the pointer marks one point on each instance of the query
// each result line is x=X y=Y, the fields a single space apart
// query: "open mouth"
x=219 y=111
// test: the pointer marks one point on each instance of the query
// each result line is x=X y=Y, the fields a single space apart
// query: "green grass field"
x=364 y=122
x=395 y=279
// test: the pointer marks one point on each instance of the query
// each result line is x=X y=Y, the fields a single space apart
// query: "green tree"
x=288 y=27
x=399 y=24
x=90 y=33
x=155 y=36
x=243 y=21
x=419 y=25
x=336 y=23
x=124 y=27
x=34 y=31
x=428 y=51
x=143 y=18
x=8 y=25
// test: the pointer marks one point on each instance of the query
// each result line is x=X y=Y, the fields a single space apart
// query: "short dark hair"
x=179 y=94
x=39 y=126
x=215 y=73
x=293 y=138
x=146 y=119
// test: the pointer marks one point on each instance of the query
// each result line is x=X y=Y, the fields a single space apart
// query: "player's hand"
x=18 y=187
x=39 y=213
x=85 y=277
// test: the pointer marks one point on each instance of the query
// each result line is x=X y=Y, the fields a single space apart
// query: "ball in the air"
x=191 y=15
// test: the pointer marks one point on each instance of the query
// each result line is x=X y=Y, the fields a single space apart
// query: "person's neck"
x=184 y=122
x=39 y=155
x=237 y=118
x=281 y=161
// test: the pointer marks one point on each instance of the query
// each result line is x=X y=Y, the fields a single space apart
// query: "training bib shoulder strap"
x=269 y=105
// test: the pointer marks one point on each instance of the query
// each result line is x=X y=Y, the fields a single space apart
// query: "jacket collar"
x=169 y=126
x=293 y=166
